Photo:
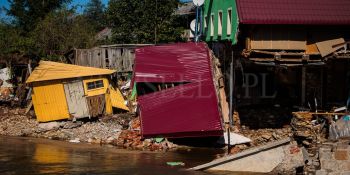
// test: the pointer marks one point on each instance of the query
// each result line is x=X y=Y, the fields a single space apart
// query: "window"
x=212 y=25
x=229 y=21
x=220 y=23
x=94 y=84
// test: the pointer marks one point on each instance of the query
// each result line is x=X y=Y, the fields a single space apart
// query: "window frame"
x=97 y=84
x=229 y=22
x=220 y=21
x=212 y=26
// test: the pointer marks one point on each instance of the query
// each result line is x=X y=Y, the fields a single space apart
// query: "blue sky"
x=79 y=3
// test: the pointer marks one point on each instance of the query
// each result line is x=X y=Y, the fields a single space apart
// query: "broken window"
x=94 y=84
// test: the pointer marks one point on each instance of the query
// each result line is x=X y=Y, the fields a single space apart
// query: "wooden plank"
x=326 y=47
x=96 y=105
x=283 y=60
x=76 y=99
x=245 y=153
x=278 y=38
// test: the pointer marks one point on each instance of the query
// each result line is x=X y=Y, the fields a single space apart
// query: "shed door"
x=76 y=99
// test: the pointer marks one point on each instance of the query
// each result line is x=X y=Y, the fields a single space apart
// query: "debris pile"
x=307 y=130
x=121 y=130
x=260 y=137
x=132 y=139
x=334 y=158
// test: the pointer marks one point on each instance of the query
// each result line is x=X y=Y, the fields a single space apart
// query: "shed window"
x=229 y=21
x=94 y=84
x=220 y=23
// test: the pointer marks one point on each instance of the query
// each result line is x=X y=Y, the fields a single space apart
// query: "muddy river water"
x=19 y=155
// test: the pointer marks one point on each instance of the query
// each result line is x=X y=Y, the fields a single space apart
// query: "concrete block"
x=330 y=165
x=325 y=153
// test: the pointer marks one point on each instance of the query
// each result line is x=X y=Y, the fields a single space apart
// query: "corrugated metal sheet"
x=317 y=12
x=50 y=101
x=188 y=110
x=48 y=70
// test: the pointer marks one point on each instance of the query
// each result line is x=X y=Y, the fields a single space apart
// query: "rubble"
x=122 y=130
x=261 y=137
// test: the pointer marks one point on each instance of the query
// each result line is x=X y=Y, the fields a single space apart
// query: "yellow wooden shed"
x=65 y=91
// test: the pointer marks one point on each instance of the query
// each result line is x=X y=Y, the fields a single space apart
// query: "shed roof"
x=48 y=70
x=316 y=12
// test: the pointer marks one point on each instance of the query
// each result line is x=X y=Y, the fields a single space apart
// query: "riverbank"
x=121 y=130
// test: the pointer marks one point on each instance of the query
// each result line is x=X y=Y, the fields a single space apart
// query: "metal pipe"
x=196 y=29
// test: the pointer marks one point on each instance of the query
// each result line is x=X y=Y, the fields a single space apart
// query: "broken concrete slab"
x=234 y=139
x=275 y=155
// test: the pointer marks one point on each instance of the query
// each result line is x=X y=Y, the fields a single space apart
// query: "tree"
x=146 y=21
x=60 y=32
x=28 y=13
x=94 y=12
x=12 y=41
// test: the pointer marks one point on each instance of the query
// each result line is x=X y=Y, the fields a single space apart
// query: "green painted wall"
x=212 y=7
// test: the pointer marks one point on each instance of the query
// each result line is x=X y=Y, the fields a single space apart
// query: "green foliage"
x=12 y=41
x=144 y=21
x=28 y=13
x=94 y=12
x=60 y=32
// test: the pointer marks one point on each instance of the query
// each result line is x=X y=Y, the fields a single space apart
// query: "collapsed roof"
x=48 y=70
x=187 y=110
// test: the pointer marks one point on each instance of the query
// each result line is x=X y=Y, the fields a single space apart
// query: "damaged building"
x=285 y=53
x=64 y=91
x=177 y=96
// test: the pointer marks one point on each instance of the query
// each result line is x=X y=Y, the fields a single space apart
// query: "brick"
x=341 y=154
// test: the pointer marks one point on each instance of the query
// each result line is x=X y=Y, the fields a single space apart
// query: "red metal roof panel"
x=316 y=12
x=188 y=110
